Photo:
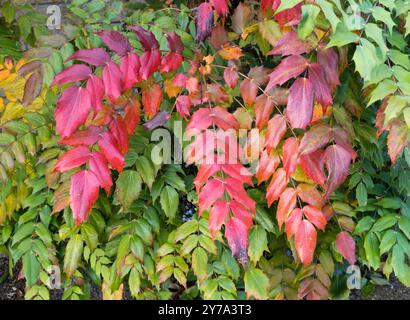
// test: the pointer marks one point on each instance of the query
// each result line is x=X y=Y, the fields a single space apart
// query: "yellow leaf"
x=12 y=111
x=230 y=52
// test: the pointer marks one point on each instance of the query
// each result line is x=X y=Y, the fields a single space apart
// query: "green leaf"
x=385 y=222
x=407 y=26
x=31 y=268
x=186 y=229
x=134 y=281
x=256 y=284
x=264 y=219
x=361 y=194
x=73 y=254
x=342 y=36
x=288 y=4
x=406 y=115
x=376 y=33
x=146 y=170
x=401 y=269
x=329 y=13
x=404 y=225
x=384 y=88
x=366 y=59
x=388 y=240
x=308 y=22
x=371 y=247
x=258 y=243
x=200 y=263
x=24 y=23
x=6 y=139
x=169 y=200
x=128 y=188
x=399 y=58
x=180 y=276
x=8 y=12
x=89 y=235
x=270 y=31
x=395 y=105
x=384 y=16
x=390 y=203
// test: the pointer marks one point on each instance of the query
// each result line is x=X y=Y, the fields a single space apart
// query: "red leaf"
x=287 y=202
x=171 y=62
x=320 y=86
x=219 y=212
x=315 y=216
x=221 y=7
x=95 y=87
x=119 y=132
x=146 y=38
x=313 y=166
x=263 y=108
x=219 y=37
x=346 y=246
x=115 y=41
x=290 y=155
x=237 y=192
x=309 y=194
x=83 y=193
x=76 y=72
x=130 y=66
x=223 y=119
x=95 y=56
x=240 y=212
x=236 y=232
x=328 y=59
x=205 y=117
x=73 y=159
x=305 y=241
x=183 y=105
x=268 y=162
x=314 y=139
x=397 y=139
x=204 y=21
x=337 y=161
x=249 y=90
x=111 y=76
x=289 y=17
x=341 y=138
x=276 y=131
x=110 y=151
x=204 y=173
x=132 y=115
x=174 y=43
x=98 y=165
x=150 y=61
x=231 y=77
x=151 y=99
x=290 y=44
x=266 y=5
x=238 y=172
x=299 y=110
x=210 y=193
x=86 y=137
x=290 y=67
x=277 y=185
x=180 y=80
x=292 y=223
x=72 y=110
x=202 y=150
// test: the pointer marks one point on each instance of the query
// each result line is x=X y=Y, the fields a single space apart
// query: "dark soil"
x=11 y=288
x=394 y=291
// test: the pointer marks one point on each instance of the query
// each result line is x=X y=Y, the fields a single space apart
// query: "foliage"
x=273 y=124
